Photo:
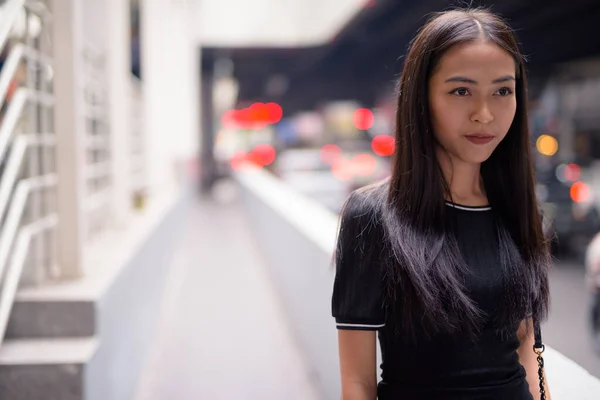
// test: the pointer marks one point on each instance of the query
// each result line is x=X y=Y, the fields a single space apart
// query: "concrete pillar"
x=156 y=78
x=207 y=159
x=170 y=79
x=69 y=127
x=118 y=76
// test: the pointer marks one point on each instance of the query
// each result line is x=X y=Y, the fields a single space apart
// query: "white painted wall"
x=170 y=74
x=94 y=13
x=270 y=22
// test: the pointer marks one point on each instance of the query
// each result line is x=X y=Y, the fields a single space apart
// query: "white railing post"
x=118 y=67
x=69 y=126
x=38 y=250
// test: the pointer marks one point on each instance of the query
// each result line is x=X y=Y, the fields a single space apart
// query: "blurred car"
x=329 y=174
x=570 y=207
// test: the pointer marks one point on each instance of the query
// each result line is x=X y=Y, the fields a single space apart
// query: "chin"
x=474 y=158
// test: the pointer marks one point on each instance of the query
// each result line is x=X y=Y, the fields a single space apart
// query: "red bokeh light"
x=580 y=192
x=228 y=120
x=254 y=159
x=274 y=112
x=572 y=172
x=264 y=154
x=383 y=145
x=363 y=119
x=330 y=153
x=258 y=112
x=237 y=160
x=364 y=164
x=257 y=116
x=243 y=118
x=342 y=169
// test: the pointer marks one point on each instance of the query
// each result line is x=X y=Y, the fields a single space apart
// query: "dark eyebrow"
x=474 y=82
x=504 y=79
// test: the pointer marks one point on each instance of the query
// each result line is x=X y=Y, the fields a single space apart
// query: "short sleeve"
x=357 y=301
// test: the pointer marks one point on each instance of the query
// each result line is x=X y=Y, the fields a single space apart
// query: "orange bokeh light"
x=383 y=145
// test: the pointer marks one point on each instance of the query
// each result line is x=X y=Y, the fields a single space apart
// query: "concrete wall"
x=299 y=262
x=127 y=312
x=297 y=236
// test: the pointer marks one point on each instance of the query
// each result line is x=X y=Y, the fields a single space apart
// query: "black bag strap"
x=538 y=348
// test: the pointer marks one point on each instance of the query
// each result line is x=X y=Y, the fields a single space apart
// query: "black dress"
x=445 y=366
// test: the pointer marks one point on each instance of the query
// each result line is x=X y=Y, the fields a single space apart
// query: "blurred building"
x=98 y=133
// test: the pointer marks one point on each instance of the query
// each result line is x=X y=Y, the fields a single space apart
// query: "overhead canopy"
x=365 y=57
x=271 y=23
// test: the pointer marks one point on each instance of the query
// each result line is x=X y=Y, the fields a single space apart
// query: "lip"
x=479 y=138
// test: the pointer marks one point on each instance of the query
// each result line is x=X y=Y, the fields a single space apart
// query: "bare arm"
x=358 y=359
x=528 y=359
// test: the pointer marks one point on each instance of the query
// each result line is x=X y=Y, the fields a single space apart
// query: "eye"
x=461 y=92
x=504 y=92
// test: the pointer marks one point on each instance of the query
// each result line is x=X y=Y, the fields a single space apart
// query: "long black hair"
x=425 y=275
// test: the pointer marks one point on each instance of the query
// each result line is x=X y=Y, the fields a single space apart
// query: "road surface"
x=567 y=328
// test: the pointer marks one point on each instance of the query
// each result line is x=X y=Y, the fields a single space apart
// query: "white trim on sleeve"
x=360 y=325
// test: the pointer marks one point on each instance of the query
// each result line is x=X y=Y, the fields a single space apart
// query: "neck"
x=464 y=180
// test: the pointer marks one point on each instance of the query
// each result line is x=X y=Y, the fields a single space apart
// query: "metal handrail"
x=9 y=70
x=11 y=280
x=17 y=149
x=12 y=9
x=18 y=53
x=14 y=163
x=15 y=111
x=17 y=206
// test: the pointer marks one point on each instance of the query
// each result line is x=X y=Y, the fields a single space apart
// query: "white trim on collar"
x=468 y=208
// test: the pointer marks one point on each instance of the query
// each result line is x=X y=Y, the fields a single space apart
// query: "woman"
x=447 y=260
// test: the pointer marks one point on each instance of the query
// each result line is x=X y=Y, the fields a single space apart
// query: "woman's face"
x=472 y=100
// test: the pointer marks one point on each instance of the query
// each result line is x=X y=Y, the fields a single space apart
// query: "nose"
x=482 y=113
